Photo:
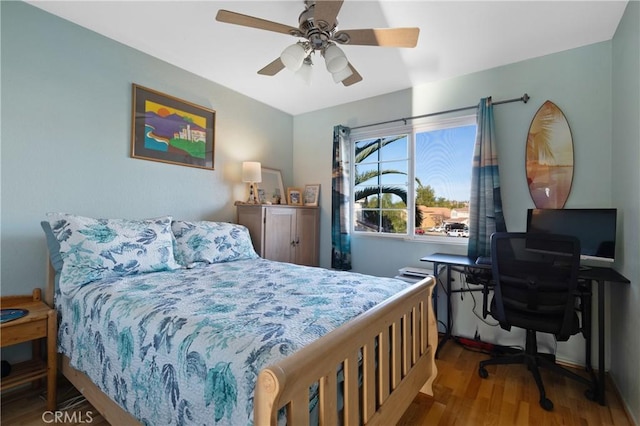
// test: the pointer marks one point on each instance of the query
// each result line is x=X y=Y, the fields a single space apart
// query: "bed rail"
x=387 y=357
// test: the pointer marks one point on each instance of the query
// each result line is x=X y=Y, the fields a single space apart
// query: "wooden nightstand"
x=39 y=323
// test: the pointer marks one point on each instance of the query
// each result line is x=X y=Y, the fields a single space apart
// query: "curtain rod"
x=524 y=98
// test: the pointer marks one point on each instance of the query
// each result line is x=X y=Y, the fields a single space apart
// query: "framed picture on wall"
x=311 y=193
x=294 y=196
x=171 y=130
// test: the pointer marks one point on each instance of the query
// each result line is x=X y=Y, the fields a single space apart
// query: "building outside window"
x=414 y=181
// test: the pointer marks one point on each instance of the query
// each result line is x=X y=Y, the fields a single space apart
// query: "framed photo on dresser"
x=272 y=186
x=294 y=196
x=311 y=194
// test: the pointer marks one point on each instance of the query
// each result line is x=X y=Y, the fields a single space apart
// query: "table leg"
x=601 y=343
x=587 y=325
x=436 y=291
x=52 y=360
x=449 y=324
x=447 y=332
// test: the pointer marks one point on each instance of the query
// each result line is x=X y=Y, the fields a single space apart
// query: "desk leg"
x=436 y=292
x=601 y=340
x=447 y=332
x=587 y=324
x=449 y=321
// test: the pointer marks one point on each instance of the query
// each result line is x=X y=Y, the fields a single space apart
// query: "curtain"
x=340 y=212
x=485 y=210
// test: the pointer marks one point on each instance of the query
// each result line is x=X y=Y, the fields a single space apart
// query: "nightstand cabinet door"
x=280 y=234
x=307 y=237
x=283 y=233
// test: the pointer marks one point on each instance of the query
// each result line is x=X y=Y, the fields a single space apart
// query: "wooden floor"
x=28 y=408
x=507 y=397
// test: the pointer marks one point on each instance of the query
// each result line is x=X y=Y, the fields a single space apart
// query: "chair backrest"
x=535 y=277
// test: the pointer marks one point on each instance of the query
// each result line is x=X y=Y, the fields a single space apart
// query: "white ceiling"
x=456 y=38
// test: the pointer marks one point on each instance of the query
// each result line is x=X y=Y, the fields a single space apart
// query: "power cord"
x=69 y=403
x=444 y=290
x=475 y=304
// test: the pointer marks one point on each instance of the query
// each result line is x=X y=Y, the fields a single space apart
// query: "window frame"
x=410 y=130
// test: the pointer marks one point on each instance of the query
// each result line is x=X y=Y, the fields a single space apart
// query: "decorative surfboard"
x=549 y=158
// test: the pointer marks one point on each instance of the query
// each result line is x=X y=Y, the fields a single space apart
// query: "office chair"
x=535 y=288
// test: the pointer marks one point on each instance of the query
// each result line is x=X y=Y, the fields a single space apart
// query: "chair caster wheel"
x=483 y=373
x=590 y=394
x=546 y=404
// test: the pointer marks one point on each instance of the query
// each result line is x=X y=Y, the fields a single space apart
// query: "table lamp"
x=252 y=174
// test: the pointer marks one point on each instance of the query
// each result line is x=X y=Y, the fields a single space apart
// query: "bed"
x=174 y=322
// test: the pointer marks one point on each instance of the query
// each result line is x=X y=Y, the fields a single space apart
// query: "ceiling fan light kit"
x=341 y=75
x=293 y=56
x=334 y=58
x=318 y=27
x=305 y=71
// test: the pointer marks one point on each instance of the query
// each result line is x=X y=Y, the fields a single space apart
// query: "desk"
x=598 y=275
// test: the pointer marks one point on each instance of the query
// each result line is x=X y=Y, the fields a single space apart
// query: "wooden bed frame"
x=387 y=356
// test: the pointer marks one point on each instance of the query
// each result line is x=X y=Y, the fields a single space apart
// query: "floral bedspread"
x=186 y=346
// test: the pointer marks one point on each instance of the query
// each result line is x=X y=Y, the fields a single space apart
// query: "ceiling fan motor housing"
x=317 y=32
x=318 y=39
x=307 y=19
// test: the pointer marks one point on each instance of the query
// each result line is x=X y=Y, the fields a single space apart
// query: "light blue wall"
x=625 y=318
x=66 y=132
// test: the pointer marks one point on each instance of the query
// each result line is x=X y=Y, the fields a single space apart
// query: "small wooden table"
x=39 y=323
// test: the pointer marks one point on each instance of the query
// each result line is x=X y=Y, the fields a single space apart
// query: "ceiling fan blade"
x=273 y=68
x=325 y=13
x=353 y=78
x=387 y=37
x=250 y=21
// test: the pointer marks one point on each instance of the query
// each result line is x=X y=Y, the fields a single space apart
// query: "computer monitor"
x=595 y=228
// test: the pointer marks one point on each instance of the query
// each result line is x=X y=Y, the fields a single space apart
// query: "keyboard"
x=483 y=260
x=415 y=272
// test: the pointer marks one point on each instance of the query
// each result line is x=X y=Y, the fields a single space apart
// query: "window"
x=414 y=180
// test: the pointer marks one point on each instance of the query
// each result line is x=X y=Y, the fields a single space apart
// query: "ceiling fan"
x=318 y=30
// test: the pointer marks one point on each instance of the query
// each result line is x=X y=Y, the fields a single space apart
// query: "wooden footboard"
x=387 y=357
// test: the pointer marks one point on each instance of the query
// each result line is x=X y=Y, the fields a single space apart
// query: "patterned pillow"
x=211 y=242
x=94 y=249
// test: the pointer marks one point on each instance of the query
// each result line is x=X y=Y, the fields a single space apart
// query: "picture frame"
x=262 y=197
x=272 y=186
x=294 y=196
x=171 y=130
x=311 y=194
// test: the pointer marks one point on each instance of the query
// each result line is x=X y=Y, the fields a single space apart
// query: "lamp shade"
x=293 y=56
x=251 y=171
x=335 y=58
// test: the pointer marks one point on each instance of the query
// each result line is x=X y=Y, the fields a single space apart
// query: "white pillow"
x=94 y=249
x=211 y=242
